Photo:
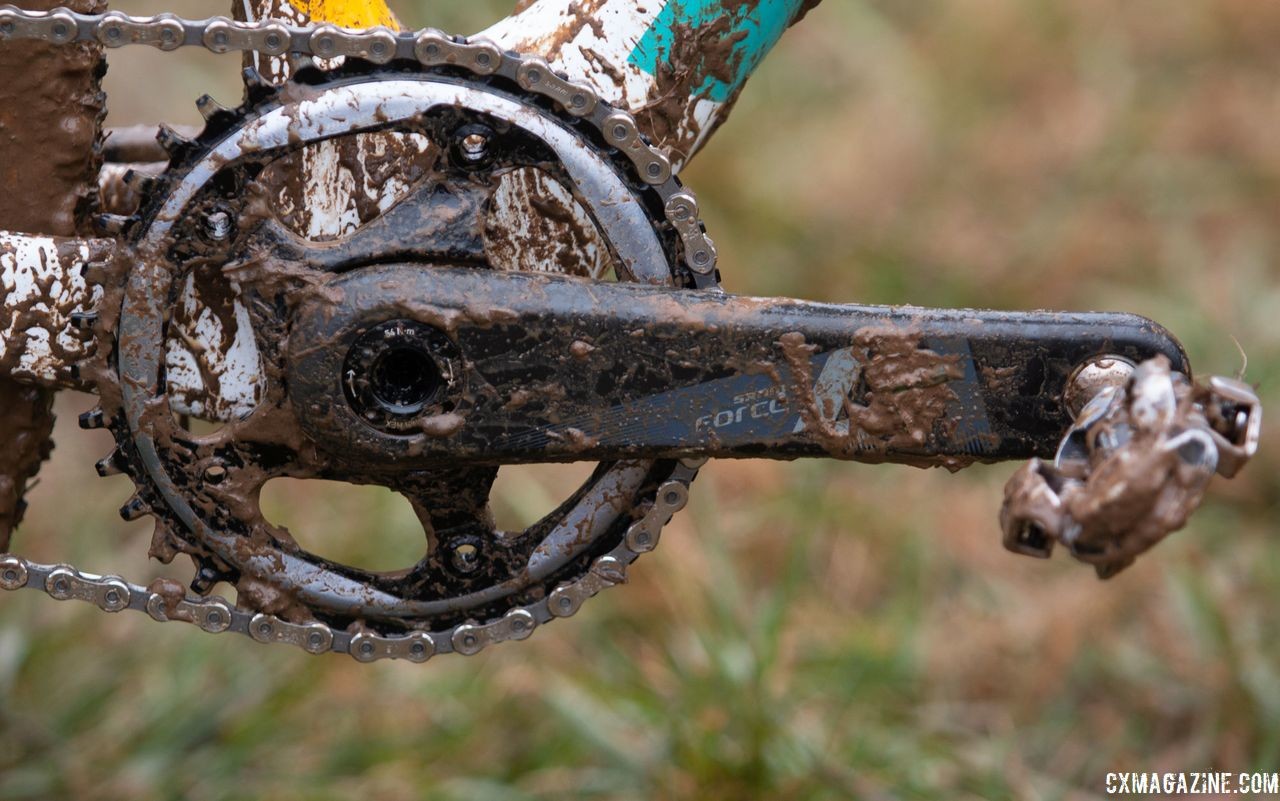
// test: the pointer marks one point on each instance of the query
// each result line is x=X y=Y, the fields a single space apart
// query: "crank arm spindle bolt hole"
x=397 y=372
x=404 y=380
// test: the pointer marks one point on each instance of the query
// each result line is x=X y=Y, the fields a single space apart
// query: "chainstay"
x=216 y=615
x=430 y=48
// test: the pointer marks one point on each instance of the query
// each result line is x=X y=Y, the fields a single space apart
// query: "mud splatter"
x=558 y=238
x=899 y=405
x=51 y=110
x=171 y=595
x=115 y=196
x=698 y=53
x=1001 y=379
x=440 y=426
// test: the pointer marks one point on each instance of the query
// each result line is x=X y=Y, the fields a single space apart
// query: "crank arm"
x=419 y=366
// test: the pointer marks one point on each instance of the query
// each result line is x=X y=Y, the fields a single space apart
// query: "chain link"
x=430 y=48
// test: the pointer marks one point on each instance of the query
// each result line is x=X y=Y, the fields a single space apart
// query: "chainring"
x=475 y=585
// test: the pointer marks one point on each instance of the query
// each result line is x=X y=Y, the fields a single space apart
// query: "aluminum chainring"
x=196 y=487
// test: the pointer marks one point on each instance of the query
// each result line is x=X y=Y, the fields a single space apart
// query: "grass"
x=807 y=630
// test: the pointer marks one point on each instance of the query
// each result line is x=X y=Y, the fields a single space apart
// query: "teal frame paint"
x=755 y=27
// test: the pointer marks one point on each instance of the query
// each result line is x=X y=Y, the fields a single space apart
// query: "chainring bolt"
x=465 y=558
x=217 y=226
x=215 y=474
x=474 y=146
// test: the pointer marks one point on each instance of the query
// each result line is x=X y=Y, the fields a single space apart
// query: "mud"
x=698 y=53
x=115 y=195
x=558 y=238
x=576 y=17
x=899 y=406
x=362 y=172
x=171 y=595
x=28 y=423
x=39 y=343
x=1002 y=380
x=442 y=425
x=1032 y=511
x=51 y=110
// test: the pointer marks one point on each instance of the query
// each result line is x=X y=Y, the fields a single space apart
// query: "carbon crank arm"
x=498 y=367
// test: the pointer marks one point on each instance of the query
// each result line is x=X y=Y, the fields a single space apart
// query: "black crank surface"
x=421 y=365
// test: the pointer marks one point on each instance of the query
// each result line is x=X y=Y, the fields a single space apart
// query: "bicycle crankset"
x=397 y=353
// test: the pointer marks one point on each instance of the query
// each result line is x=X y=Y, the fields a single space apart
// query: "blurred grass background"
x=807 y=630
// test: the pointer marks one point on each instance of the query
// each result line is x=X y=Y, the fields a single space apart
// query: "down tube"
x=678 y=66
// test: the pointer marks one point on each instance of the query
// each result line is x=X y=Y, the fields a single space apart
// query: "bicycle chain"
x=216 y=615
x=430 y=48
